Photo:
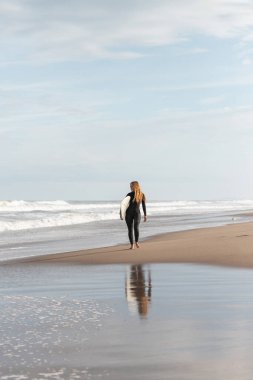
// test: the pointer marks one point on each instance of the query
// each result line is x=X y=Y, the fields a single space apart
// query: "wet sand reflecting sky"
x=119 y=322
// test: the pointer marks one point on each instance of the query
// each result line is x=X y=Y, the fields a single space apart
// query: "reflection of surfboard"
x=124 y=206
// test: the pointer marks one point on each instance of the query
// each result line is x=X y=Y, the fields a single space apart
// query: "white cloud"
x=46 y=30
x=198 y=51
x=212 y=100
x=247 y=61
x=242 y=81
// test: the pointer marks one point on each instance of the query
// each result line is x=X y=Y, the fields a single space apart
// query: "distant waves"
x=30 y=228
x=27 y=215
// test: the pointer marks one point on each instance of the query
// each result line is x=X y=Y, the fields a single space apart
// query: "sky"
x=96 y=94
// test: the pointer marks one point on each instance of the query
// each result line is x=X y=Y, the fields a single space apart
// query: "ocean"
x=31 y=228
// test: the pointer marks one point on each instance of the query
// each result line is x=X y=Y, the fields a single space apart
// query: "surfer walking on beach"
x=130 y=211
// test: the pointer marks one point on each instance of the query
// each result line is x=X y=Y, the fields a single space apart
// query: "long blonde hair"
x=138 y=194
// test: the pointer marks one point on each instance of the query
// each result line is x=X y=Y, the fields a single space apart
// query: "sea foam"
x=27 y=215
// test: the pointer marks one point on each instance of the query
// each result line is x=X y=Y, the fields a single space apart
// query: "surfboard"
x=124 y=206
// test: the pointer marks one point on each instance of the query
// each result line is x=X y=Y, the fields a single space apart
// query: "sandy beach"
x=230 y=245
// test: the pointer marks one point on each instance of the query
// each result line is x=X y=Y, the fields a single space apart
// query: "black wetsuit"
x=133 y=217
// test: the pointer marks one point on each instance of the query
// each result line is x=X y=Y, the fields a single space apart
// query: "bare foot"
x=132 y=247
x=137 y=245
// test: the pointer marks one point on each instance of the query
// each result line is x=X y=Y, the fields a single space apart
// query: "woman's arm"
x=144 y=209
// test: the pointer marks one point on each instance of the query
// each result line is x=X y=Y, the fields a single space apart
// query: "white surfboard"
x=124 y=206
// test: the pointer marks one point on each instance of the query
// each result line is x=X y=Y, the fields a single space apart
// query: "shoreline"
x=229 y=245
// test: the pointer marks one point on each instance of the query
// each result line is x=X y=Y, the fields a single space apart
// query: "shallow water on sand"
x=169 y=321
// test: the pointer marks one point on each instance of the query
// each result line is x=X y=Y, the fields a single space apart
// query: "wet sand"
x=62 y=320
x=140 y=322
x=230 y=245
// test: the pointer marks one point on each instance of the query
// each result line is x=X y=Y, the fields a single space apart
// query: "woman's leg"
x=129 y=222
x=137 y=220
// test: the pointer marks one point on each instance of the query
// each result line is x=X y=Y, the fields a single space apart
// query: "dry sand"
x=230 y=245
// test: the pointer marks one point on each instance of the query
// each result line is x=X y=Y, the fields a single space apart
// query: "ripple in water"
x=35 y=329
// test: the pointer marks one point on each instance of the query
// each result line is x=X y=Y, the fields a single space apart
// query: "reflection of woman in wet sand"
x=138 y=288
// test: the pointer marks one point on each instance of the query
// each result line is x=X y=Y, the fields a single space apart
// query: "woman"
x=133 y=215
